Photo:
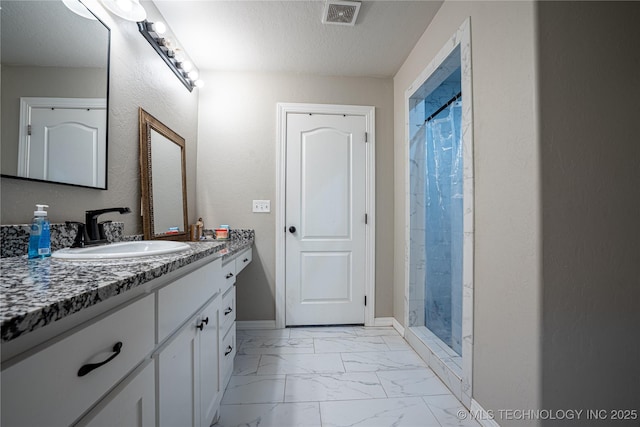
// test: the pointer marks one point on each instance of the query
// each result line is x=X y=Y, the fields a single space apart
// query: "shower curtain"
x=436 y=225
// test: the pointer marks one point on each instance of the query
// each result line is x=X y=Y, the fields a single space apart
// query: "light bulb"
x=186 y=66
x=160 y=27
x=193 y=74
x=198 y=83
x=179 y=55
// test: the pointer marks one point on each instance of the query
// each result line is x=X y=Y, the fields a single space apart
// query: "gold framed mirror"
x=163 y=180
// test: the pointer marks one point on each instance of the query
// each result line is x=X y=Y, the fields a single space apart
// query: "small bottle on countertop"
x=40 y=237
x=200 y=229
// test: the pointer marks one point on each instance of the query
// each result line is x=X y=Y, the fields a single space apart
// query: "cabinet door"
x=178 y=372
x=133 y=405
x=210 y=385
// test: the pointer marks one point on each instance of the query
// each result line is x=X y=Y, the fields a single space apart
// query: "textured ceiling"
x=288 y=36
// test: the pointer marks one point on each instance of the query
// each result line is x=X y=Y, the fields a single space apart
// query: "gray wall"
x=236 y=164
x=507 y=278
x=138 y=78
x=589 y=66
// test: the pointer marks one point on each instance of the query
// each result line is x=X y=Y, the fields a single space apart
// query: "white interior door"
x=66 y=141
x=325 y=219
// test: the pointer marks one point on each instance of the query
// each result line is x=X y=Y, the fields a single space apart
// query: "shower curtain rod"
x=449 y=102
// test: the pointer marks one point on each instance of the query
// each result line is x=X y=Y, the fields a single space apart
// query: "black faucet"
x=91 y=223
x=81 y=235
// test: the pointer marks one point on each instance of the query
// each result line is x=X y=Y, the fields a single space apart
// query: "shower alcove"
x=439 y=222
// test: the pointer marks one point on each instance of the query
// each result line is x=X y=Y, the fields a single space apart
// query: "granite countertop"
x=35 y=293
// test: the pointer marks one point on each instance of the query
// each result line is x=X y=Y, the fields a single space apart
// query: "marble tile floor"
x=334 y=376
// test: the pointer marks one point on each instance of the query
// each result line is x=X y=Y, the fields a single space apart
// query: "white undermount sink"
x=131 y=249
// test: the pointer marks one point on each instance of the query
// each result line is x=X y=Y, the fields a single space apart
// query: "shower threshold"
x=445 y=362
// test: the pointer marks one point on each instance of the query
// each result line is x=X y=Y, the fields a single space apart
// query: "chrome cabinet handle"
x=229 y=350
x=229 y=276
x=292 y=229
x=85 y=369
x=245 y=260
x=228 y=310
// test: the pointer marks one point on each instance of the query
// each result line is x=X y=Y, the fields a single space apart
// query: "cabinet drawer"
x=45 y=389
x=130 y=404
x=229 y=275
x=181 y=299
x=243 y=259
x=227 y=354
x=228 y=309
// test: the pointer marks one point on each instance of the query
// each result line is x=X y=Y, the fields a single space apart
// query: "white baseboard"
x=271 y=324
x=389 y=321
x=481 y=415
x=398 y=327
x=256 y=324
x=382 y=321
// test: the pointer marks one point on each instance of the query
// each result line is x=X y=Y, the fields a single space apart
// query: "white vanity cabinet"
x=189 y=389
x=195 y=363
x=167 y=353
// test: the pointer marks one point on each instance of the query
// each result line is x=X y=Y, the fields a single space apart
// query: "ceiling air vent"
x=340 y=12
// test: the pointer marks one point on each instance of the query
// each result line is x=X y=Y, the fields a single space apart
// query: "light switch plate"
x=262 y=206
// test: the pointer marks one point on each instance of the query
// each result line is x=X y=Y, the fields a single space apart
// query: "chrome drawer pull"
x=228 y=310
x=245 y=260
x=229 y=350
x=228 y=276
x=85 y=369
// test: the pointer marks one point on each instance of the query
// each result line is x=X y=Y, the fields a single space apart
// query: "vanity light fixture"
x=173 y=56
x=131 y=10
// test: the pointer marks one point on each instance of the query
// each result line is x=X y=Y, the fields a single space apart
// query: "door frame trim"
x=283 y=109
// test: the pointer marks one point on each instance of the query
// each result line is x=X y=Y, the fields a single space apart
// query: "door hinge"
x=366 y=219
x=366 y=137
x=365 y=300
x=29 y=130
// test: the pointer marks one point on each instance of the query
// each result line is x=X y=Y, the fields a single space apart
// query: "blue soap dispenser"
x=40 y=237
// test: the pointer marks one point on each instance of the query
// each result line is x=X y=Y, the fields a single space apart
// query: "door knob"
x=292 y=229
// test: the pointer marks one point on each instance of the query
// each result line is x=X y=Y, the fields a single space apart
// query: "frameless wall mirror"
x=163 y=180
x=54 y=88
